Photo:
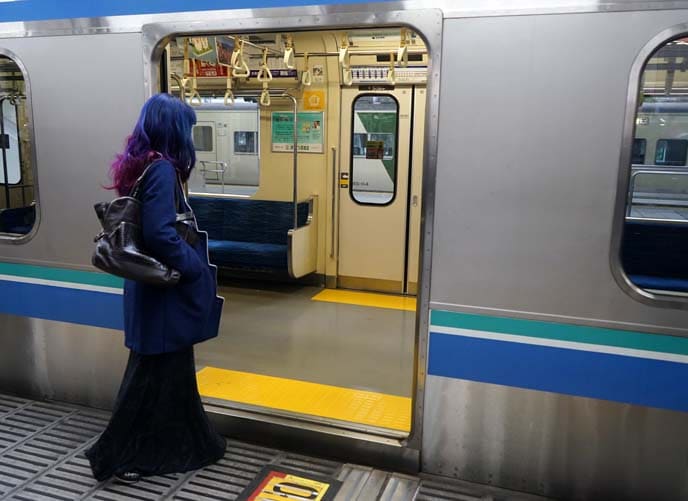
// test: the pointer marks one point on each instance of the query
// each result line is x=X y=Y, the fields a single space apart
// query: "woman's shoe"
x=128 y=477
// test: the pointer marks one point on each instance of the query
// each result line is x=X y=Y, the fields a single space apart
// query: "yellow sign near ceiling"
x=314 y=100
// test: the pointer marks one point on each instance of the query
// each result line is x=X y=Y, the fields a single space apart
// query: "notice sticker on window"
x=375 y=150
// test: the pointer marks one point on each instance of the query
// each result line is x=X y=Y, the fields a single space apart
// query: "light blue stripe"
x=562 y=332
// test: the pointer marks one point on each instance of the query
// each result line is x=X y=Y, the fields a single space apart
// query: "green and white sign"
x=309 y=130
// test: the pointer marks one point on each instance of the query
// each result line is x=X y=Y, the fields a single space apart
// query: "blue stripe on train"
x=640 y=381
x=62 y=304
x=35 y=10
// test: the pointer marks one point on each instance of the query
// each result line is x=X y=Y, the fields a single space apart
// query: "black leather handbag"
x=119 y=246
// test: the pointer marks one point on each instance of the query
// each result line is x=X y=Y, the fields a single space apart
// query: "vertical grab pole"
x=335 y=180
x=4 y=151
x=295 y=188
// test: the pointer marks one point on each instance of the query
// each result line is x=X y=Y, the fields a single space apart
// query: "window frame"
x=256 y=144
x=396 y=150
x=684 y=142
x=213 y=139
x=9 y=238
x=644 y=143
x=668 y=299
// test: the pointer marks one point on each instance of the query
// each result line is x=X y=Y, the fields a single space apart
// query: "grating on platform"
x=42 y=458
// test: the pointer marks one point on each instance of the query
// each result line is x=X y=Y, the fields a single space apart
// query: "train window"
x=17 y=190
x=203 y=137
x=654 y=242
x=374 y=151
x=245 y=142
x=639 y=147
x=671 y=152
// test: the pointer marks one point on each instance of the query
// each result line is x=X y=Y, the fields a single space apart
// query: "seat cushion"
x=247 y=255
x=242 y=220
x=18 y=220
x=660 y=283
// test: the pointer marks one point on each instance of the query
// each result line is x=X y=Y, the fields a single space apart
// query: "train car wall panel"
x=76 y=135
x=525 y=213
x=530 y=139
x=60 y=360
x=567 y=447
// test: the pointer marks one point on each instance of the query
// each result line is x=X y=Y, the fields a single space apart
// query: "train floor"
x=341 y=355
x=42 y=447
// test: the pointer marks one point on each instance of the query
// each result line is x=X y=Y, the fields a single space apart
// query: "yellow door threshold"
x=373 y=300
x=333 y=402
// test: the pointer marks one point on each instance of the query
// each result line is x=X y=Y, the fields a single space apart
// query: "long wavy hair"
x=163 y=130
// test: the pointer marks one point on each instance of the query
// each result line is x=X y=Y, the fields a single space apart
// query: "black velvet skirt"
x=158 y=425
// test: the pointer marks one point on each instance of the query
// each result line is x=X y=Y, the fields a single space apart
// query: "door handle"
x=414 y=200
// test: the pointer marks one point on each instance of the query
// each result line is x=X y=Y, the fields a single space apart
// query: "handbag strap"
x=139 y=181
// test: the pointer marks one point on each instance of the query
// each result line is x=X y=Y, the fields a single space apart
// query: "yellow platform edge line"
x=370 y=299
x=305 y=398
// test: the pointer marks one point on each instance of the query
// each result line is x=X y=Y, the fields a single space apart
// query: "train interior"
x=654 y=239
x=17 y=199
x=315 y=228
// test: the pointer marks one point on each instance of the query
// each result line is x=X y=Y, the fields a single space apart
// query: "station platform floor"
x=42 y=447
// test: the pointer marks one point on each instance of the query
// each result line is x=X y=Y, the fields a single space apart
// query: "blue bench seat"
x=655 y=255
x=18 y=220
x=247 y=234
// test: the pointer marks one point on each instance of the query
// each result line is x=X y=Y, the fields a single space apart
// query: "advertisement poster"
x=225 y=48
x=309 y=130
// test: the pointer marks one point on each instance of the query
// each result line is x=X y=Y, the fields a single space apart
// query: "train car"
x=440 y=247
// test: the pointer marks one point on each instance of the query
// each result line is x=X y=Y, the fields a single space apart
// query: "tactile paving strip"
x=42 y=458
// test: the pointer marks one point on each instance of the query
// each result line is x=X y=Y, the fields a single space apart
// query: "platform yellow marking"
x=373 y=300
x=301 y=397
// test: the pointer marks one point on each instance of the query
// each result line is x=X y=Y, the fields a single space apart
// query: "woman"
x=158 y=425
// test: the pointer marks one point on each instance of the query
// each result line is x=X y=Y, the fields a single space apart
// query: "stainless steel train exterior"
x=540 y=367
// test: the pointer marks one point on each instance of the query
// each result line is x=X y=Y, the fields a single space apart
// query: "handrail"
x=221 y=170
x=634 y=177
x=633 y=219
x=295 y=157
x=181 y=84
x=333 y=219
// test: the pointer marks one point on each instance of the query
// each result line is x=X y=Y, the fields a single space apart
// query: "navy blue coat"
x=168 y=319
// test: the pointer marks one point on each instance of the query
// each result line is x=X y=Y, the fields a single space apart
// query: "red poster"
x=205 y=69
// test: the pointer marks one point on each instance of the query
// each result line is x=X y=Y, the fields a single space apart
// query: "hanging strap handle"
x=195 y=99
x=306 y=77
x=264 y=74
x=289 y=58
x=239 y=66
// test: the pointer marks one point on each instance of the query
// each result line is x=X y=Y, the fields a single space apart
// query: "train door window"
x=671 y=152
x=374 y=155
x=17 y=175
x=245 y=142
x=639 y=148
x=203 y=137
x=654 y=242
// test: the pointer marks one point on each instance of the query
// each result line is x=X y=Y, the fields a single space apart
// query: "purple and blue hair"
x=163 y=130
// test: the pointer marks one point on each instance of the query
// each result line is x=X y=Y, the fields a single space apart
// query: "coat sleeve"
x=158 y=218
